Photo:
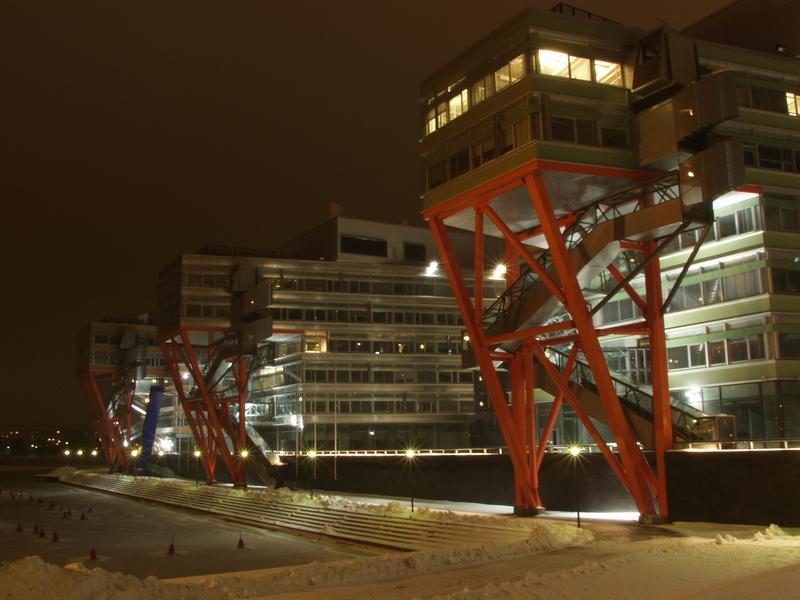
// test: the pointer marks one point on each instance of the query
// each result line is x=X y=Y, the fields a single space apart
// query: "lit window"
x=478 y=92
x=441 y=114
x=430 y=122
x=509 y=73
x=792 y=103
x=553 y=63
x=607 y=72
x=458 y=105
x=517 y=68
x=580 y=68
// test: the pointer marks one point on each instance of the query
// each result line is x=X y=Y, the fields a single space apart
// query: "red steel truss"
x=210 y=415
x=209 y=410
x=518 y=422
x=111 y=430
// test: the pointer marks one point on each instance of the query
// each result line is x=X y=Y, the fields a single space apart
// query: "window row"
x=425 y=287
x=763 y=410
x=410 y=345
x=459 y=97
x=772 y=157
x=513 y=130
x=380 y=374
x=753 y=218
x=366 y=315
x=772 y=100
x=719 y=352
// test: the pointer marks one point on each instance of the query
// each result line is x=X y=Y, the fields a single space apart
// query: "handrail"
x=607 y=208
x=684 y=416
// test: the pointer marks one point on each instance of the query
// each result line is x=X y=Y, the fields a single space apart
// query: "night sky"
x=132 y=131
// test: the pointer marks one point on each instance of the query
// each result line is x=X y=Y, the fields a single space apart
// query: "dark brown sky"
x=134 y=130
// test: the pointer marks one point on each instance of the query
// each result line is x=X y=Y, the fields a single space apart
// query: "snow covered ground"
x=557 y=560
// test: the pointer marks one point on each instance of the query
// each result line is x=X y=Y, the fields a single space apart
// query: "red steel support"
x=477 y=281
x=662 y=411
x=106 y=429
x=632 y=457
x=490 y=378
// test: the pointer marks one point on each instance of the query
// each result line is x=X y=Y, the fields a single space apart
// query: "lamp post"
x=134 y=455
x=244 y=453
x=410 y=457
x=197 y=455
x=312 y=456
x=575 y=452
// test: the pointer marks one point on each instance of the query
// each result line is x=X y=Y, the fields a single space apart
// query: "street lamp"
x=197 y=455
x=312 y=456
x=410 y=457
x=134 y=455
x=575 y=452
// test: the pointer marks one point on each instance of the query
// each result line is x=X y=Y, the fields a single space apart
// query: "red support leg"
x=530 y=421
x=113 y=446
x=632 y=458
x=662 y=412
x=490 y=378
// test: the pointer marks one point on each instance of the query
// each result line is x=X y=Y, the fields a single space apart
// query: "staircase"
x=636 y=402
x=275 y=509
x=593 y=242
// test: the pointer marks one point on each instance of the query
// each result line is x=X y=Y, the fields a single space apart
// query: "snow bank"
x=33 y=579
x=60 y=472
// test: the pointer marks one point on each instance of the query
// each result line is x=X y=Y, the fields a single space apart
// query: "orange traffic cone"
x=171 y=548
x=19 y=527
x=41 y=533
x=55 y=537
x=83 y=516
x=93 y=554
x=240 y=545
x=35 y=529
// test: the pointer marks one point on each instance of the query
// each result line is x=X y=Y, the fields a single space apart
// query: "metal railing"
x=684 y=416
x=607 y=208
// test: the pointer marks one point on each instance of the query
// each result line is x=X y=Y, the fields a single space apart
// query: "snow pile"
x=60 y=472
x=773 y=532
x=31 y=578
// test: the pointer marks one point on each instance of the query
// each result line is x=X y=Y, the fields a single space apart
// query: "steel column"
x=491 y=381
x=632 y=458
x=662 y=411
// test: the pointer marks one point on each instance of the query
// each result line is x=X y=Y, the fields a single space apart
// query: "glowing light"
x=134 y=453
x=499 y=272
x=124 y=443
x=575 y=451
x=184 y=376
x=94 y=452
x=66 y=452
x=312 y=454
x=466 y=338
x=79 y=453
x=690 y=173
x=430 y=270
x=244 y=453
x=410 y=453
x=197 y=453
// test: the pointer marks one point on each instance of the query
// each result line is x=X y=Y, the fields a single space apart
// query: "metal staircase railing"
x=684 y=416
x=214 y=361
x=607 y=208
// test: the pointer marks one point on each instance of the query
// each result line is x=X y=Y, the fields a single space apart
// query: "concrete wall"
x=756 y=487
x=486 y=479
